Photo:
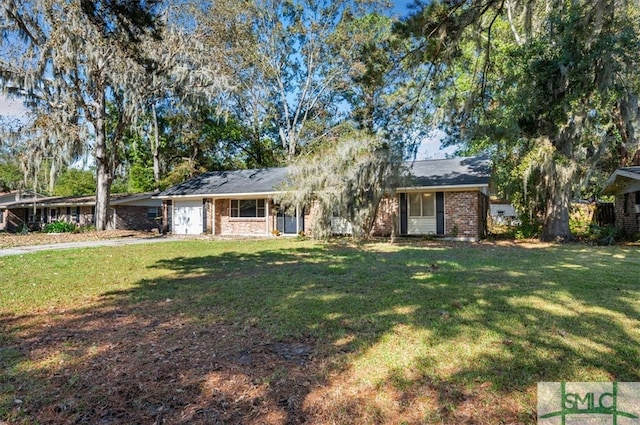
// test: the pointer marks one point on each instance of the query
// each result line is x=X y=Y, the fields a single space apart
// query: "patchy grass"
x=287 y=331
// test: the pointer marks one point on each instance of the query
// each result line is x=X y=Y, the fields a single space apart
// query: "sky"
x=11 y=108
x=400 y=7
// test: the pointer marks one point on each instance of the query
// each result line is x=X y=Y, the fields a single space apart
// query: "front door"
x=289 y=223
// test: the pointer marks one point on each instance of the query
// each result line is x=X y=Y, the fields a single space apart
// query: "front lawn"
x=287 y=331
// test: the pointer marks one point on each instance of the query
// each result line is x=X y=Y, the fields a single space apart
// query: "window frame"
x=75 y=215
x=427 y=201
x=153 y=213
x=236 y=208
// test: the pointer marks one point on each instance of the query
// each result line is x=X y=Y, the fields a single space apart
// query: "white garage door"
x=187 y=217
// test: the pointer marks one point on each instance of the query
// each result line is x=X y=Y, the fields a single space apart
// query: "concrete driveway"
x=20 y=250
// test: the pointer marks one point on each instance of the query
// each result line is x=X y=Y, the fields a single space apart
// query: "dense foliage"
x=548 y=87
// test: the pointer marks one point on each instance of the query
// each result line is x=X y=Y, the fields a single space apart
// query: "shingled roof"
x=466 y=171
x=258 y=181
x=86 y=200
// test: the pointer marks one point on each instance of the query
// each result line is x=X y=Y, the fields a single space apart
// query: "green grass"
x=500 y=318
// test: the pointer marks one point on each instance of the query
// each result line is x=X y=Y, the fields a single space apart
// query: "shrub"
x=59 y=226
x=85 y=228
x=24 y=229
x=527 y=229
x=581 y=218
x=604 y=235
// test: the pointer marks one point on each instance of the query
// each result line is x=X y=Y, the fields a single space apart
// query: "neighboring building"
x=10 y=198
x=128 y=212
x=502 y=212
x=624 y=184
x=446 y=197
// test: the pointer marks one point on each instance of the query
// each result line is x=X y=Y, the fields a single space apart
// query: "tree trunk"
x=155 y=148
x=555 y=227
x=52 y=177
x=103 y=170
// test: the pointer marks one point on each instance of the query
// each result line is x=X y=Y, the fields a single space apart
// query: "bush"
x=85 y=228
x=24 y=229
x=59 y=226
x=527 y=229
x=604 y=235
x=581 y=218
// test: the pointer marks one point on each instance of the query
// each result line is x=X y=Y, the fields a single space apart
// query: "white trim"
x=266 y=216
x=449 y=188
x=613 y=187
x=445 y=215
x=246 y=195
x=628 y=174
x=133 y=198
x=253 y=195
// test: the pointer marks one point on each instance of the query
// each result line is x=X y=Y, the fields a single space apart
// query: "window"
x=75 y=214
x=422 y=205
x=34 y=216
x=153 y=213
x=247 y=208
x=1 y=216
x=625 y=205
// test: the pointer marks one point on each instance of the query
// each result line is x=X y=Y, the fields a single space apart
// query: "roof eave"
x=618 y=181
x=220 y=195
x=443 y=187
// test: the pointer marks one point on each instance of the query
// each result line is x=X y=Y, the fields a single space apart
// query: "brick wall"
x=226 y=225
x=86 y=216
x=128 y=218
x=135 y=218
x=463 y=211
x=629 y=221
x=465 y=214
x=387 y=209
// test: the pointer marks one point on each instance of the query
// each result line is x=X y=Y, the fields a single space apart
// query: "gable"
x=623 y=180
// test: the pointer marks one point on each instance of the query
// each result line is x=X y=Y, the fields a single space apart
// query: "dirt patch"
x=9 y=240
x=114 y=366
